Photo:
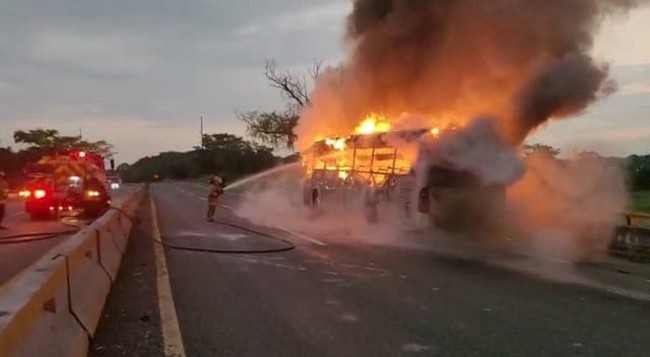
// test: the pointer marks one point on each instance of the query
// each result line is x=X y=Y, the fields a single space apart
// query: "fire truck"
x=371 y=171
x=64 y=183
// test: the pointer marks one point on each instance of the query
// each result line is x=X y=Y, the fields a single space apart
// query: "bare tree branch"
x=273 y=128
x=315 y=69
x=293 y=86
x=277 y=128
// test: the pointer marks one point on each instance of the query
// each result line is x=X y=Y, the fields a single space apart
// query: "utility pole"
x=202 y=143
x=80 y=134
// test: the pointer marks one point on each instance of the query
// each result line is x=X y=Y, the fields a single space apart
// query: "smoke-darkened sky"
x=140 y=73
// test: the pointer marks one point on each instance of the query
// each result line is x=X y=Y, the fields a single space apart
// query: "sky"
x=140 y=73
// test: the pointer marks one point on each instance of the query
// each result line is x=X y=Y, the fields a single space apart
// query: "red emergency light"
x=40 y=194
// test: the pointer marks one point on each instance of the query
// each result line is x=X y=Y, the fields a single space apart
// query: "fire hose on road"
x=287 y=245
x=39 y=236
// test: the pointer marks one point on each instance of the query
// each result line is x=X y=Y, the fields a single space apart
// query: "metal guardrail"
x=632 y=240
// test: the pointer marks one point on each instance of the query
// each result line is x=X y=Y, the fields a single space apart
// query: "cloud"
x=92 y=53
x=139 y=73
x=318 y=18
x=625 y=40
x=617 y=126
x=638 y=87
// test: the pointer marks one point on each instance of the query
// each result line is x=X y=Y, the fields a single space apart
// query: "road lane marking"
x=304 y=237
x=226 y=207
x=203 y=198
x=172 y=338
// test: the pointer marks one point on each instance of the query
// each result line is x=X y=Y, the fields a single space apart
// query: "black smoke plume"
x=520 y=61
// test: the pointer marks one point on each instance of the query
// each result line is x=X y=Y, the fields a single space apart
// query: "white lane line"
x=226 y=207
x=304 y=237
x=203 y=198
x=171 y=331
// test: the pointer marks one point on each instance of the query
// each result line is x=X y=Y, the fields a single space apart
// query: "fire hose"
x=39 y=236
x=287 y=244
x=33 y=237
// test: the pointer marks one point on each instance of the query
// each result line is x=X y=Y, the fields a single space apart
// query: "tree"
x=639 y=172
x=273 y=128
x=541 y=148
x=40 y=142
x=47 y=141
x=589 y=155
x=9 y=161
x=227 y=155
x=276 y=128
x=225 y=142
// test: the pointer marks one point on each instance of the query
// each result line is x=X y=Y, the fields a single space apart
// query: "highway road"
x=18 y=255
x=330 y=297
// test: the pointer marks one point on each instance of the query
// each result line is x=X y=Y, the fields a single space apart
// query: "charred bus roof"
x=361 y=141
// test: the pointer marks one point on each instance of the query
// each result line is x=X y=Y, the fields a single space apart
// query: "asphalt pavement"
x=329 y=297
x=18 y=254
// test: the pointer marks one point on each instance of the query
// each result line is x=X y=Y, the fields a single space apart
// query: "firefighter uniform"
x=216 y=190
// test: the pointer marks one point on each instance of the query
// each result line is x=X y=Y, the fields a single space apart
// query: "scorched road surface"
x=354 y=299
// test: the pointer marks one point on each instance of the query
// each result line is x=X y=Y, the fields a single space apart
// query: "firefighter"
x=216 y=189
x=4 y=194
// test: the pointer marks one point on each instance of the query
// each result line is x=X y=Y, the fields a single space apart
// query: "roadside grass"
x=640 y=201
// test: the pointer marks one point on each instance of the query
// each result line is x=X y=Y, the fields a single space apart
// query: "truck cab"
x=63 y=183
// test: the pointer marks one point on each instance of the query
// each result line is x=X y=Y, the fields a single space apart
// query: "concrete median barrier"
x=53 y=308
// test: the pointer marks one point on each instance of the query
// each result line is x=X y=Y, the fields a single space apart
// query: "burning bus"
x=379 y=171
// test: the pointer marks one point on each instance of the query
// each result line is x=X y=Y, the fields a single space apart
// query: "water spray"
x=261 y=175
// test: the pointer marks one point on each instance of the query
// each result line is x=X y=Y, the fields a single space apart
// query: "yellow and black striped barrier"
x=632 y=240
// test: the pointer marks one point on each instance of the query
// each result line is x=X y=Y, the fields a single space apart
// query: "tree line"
x=37 y=143
x=226 y=155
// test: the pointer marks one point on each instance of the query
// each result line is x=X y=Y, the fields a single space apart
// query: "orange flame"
x=373 y=123
x=337 y=144
x=373 y=169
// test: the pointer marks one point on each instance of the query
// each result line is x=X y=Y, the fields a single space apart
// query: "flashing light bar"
x=40 y=193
